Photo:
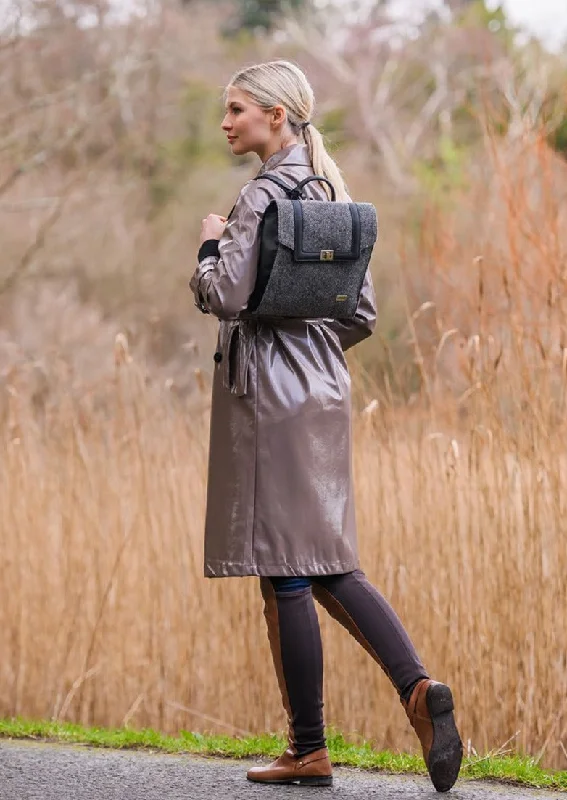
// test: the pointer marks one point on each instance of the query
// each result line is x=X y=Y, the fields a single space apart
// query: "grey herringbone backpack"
x=313 y=255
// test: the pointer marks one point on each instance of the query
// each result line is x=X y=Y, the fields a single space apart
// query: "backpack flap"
x=313 y=258
x=318 y=231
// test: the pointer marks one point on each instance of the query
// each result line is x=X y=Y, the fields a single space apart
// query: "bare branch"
x=39 y=159
x=40 y=236
x=29 y=205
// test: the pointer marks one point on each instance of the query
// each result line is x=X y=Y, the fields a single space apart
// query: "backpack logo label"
x=326 y=255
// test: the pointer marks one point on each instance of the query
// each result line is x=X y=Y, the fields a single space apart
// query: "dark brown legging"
x=295 y=640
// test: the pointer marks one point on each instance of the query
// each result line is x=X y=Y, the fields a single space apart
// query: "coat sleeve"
x=225 y=277
x=361 y=326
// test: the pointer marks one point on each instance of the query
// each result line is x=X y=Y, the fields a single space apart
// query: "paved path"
x=38 y=771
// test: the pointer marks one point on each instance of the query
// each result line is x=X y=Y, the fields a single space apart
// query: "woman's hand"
x=212 y=227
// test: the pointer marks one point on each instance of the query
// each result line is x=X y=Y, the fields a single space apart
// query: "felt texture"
x=318 y=289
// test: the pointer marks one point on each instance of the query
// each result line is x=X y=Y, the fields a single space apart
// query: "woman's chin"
x=238 y=149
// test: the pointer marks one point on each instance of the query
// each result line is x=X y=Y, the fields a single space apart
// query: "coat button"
x=217 y=357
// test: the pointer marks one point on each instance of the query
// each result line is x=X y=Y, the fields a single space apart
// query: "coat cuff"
x=209 y=248
x=206 y=266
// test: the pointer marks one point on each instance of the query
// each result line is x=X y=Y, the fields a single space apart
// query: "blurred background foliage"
x=112 y=154
x=455 y=126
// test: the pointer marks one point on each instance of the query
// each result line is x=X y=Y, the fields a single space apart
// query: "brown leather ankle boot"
x=311 y=770
x=430 y=711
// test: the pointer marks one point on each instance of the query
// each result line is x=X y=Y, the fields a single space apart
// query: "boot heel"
x=316 y=780
x=439 y=700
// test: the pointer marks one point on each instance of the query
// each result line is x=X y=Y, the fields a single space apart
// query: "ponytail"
x=323 y=164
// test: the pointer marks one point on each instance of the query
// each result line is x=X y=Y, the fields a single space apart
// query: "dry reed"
x=105 y=617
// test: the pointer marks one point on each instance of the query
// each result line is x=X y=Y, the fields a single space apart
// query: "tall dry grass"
x=105 y=617
x=461 y=499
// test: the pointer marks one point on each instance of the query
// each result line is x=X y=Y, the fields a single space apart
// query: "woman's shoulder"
x=257 y=193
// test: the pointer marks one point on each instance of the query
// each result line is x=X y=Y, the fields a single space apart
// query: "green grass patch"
x=519 y=770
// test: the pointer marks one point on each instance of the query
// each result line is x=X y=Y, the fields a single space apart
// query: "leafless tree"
x=73 y=88
x=403 y=80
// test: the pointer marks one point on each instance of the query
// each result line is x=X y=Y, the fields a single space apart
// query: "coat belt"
x=236 y=340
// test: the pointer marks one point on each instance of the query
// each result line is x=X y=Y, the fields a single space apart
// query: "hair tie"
x=304 y=125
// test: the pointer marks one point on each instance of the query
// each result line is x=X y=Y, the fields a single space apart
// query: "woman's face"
x=248 y=127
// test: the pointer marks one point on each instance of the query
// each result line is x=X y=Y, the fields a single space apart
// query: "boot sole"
x=315 y=780
x=446 y=751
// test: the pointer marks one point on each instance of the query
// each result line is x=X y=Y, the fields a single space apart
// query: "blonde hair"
x=283 y=83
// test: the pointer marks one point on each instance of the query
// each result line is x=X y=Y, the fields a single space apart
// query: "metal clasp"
x=326 y=255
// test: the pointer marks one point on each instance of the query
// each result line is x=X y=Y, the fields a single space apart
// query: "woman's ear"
x=278 y=116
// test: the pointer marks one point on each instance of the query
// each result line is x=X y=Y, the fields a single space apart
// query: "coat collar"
x=293 y=154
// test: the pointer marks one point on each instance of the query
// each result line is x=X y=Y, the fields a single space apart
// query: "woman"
x=280 y=499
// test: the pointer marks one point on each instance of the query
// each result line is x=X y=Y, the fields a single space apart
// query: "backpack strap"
x=295 y=192
x=289 y=190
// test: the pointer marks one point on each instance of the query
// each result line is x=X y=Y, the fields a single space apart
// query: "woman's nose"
x=225 y=124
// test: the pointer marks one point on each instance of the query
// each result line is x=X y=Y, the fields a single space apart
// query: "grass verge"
x=511 y=769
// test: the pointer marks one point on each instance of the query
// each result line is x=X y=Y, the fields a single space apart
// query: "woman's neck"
x=272 y=148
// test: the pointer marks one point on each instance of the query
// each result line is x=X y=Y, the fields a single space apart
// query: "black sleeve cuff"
x=209 y=248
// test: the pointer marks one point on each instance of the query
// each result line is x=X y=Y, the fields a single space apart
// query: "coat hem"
x=223 y=569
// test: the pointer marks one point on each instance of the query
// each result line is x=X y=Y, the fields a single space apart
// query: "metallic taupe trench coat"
x=280 y=496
